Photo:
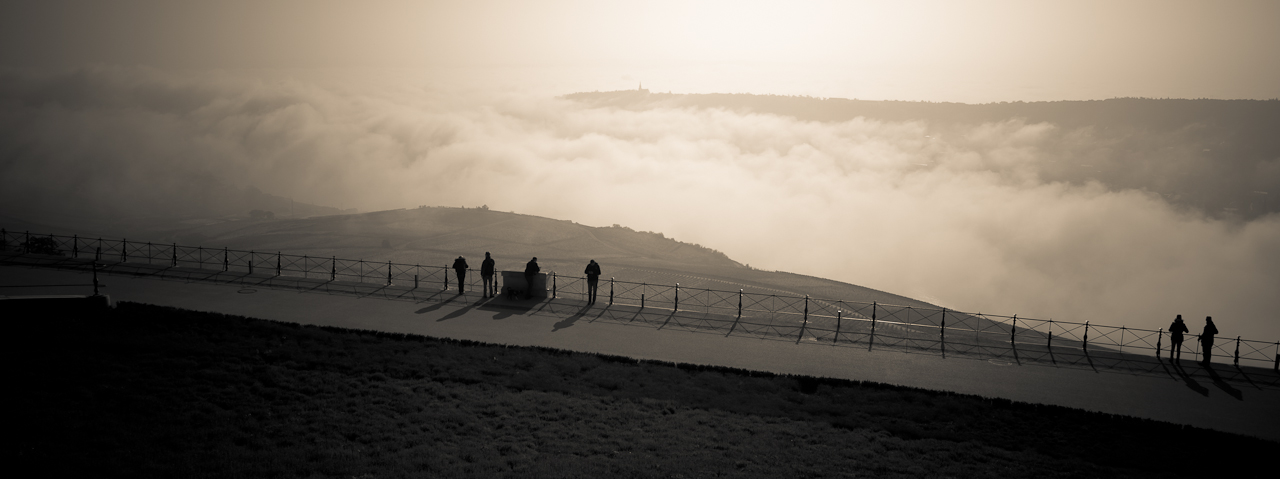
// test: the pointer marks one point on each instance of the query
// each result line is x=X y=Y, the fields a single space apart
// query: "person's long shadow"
x=460 y=312
x=1217 y=381
x=571 y=319
x=436 y=306
x=1191 y=383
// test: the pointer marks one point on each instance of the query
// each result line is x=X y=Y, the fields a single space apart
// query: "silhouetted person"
x=593 y=278
x=486 y=275
x=460 y=265
x=1175 y=336
x=1206 y=338
x=531 y=270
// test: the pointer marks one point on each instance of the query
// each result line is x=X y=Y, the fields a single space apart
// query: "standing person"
x=486 y=274
x=1175 y=335
x=531 y=270
x=460 y=265
x=1206 y=338
x=593 y=278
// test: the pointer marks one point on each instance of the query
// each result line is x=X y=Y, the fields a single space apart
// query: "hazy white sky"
x=969 y=51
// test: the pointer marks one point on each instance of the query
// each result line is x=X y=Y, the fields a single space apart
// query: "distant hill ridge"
x=1254 y=115
x=1221 y=157
x=437 y=235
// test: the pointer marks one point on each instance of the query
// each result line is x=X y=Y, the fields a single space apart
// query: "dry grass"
x=149 y=391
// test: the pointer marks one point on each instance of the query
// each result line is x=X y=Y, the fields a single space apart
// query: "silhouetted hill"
x=437 y=235
x=1219 y=156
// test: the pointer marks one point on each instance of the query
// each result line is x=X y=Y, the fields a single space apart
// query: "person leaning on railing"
x=593 y=279
x=531 y=270
x=1206 y=338
x=1175 y=336
x=460 y=266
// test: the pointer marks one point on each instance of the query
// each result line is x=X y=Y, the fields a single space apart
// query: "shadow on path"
x=1227 y=388
x=506 y=308
x=567 y=322
x=436 y=306
x=461 y=311
x=1191 y=383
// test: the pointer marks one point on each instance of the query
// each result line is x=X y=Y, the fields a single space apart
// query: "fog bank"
x=962 y=221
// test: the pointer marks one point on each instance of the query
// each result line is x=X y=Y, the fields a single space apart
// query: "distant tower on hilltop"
x=641 y=89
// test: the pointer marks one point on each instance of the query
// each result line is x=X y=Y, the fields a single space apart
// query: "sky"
x=380 y=105
x=962 y=51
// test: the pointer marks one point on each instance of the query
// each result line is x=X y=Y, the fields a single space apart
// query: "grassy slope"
x=435 y=236
x=143 y=391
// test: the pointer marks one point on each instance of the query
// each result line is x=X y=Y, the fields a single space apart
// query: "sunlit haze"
x=394 y=104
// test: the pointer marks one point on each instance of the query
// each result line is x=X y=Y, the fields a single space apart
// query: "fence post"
x=250 y=261
x=642 y=288
x=415 y=281
x=124 y=250
x=333 y=268
x=610 y=291
x=739 y=304
x=677 y=303
x=26 y=243
x=174 y=261
x=1085 y=345
x=806 y=319
x=388 y=273
x=1122 y=339
x=1159 y=338
x=872 y=341
x=199 y=255
x=446 y=279
x=839 y=315
x=553 y=285
x=942 y=332
x=1013 y=331
x=75 y=245
x=1049 y=342
x=226 y=259
x=305 y=270
x=1276 y=367
x=95 y=278
x=360 y=271
x=1237 y=359
x=277 y=263
x=148 y=252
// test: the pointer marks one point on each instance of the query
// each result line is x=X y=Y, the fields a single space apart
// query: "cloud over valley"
x=962 y=216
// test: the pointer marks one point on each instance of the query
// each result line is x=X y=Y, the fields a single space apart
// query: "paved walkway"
x=1245 y=401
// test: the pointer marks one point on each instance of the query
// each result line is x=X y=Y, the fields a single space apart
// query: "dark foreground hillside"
x=144 y=391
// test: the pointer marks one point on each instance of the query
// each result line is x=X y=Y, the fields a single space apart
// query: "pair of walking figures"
x=1176 y=331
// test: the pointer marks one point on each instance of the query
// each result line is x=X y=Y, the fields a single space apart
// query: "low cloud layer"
x=962 y=220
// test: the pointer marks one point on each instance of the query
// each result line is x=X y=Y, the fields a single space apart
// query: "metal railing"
x=773 y=315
